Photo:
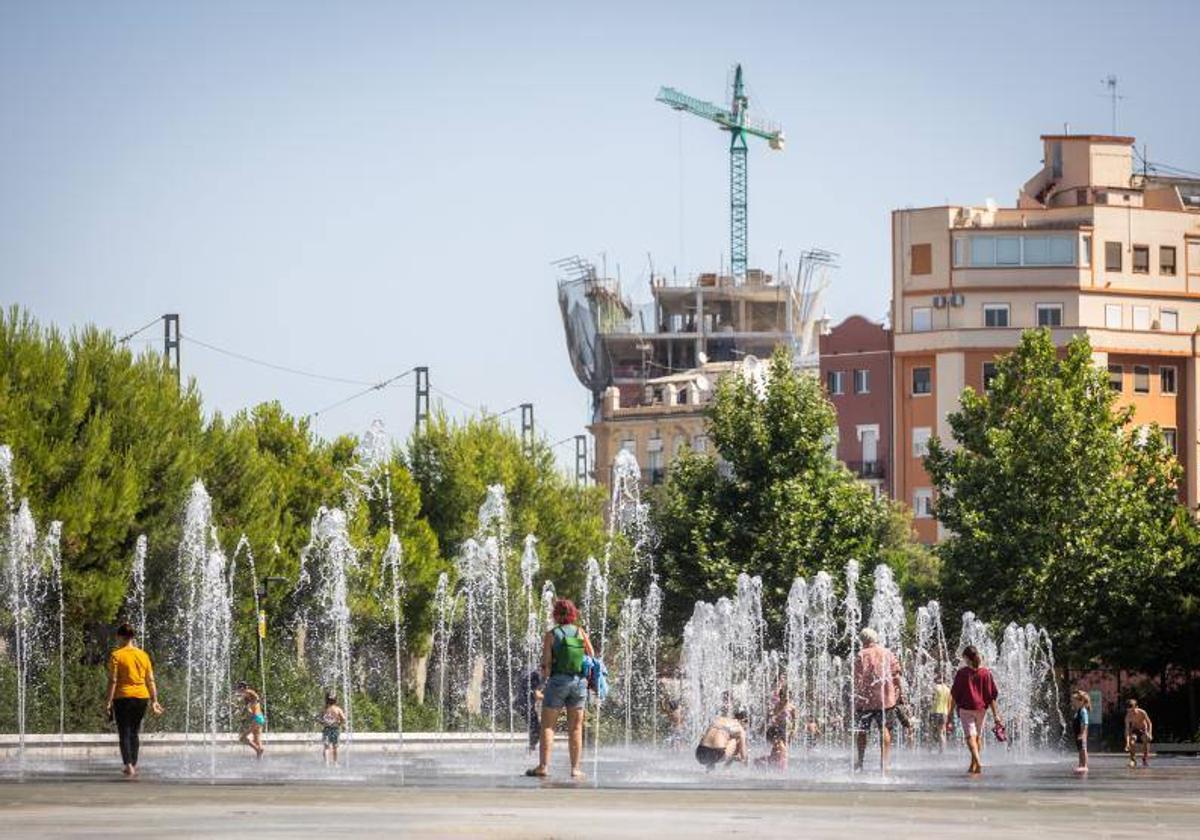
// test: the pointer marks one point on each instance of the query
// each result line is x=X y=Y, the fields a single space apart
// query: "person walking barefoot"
x=563 y=649
x=332 y=719
x=131 y=688
x=973 y=693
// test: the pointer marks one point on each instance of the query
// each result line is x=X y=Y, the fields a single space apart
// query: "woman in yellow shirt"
x=130 y=688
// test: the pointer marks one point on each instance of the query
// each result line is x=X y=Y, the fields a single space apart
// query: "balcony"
x=654 y=475
x=867 y=469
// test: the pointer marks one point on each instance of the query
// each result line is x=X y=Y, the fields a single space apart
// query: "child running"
x=1079 y=725
x=253 y=719
x=332 y=719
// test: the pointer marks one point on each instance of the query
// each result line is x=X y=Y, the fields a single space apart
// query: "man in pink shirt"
x=876 y=692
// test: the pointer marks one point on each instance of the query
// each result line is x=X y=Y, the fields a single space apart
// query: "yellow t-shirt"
x=941 y=699
x=130 y=667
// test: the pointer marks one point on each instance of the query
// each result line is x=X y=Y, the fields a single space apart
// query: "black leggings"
x=129 y=712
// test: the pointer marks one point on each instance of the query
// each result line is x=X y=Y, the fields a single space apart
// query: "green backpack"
x=568 y=653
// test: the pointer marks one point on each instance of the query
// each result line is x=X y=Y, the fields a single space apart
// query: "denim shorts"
x=564 y=690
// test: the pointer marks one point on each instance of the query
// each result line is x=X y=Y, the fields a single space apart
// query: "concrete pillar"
x=949 y=382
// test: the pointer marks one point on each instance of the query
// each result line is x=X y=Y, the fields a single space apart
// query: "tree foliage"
x=1061 y=510
x=772 y=499
x=110 y=444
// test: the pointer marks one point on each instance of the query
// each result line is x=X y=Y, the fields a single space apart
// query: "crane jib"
x=733 y=120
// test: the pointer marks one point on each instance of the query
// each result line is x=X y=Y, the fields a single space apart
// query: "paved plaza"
x=1042 y=801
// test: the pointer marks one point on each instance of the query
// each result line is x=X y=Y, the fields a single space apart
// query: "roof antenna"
x=1110 y=84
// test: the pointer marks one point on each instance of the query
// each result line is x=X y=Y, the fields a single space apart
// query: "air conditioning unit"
x=939 y=301
x=956 y=299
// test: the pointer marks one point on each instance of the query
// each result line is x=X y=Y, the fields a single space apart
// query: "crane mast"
x=733 y=119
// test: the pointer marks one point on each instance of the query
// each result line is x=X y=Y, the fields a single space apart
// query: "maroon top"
x=973 y=689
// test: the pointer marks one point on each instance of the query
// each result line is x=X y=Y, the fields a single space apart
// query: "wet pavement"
x=635 y=793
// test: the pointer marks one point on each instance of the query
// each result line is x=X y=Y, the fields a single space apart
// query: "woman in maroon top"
x=973 y=693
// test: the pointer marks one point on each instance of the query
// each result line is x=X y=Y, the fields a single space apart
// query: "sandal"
x=536 y=771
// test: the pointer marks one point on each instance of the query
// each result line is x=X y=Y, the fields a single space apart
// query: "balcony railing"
x=867 y=469
x=654 y=475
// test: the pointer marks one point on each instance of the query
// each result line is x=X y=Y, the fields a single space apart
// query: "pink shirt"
x=876 y=678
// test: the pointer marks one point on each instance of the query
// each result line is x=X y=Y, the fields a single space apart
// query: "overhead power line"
x=378 y=386
x=283 y=368
x=139 y=330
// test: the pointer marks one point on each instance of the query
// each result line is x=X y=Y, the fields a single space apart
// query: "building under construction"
x=650 y=367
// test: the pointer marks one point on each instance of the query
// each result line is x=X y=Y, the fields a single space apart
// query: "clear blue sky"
x=356 y=188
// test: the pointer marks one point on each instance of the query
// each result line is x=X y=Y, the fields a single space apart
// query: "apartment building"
x=1091 y=246
x=856 y=368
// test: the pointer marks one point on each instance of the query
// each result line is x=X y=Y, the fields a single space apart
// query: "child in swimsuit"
x=1082 y=701
x=332 y=719
x=253 y=719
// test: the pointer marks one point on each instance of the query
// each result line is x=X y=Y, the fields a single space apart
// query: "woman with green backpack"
x=563 y=650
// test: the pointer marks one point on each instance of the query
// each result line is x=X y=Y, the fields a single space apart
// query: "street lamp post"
x=260 y=597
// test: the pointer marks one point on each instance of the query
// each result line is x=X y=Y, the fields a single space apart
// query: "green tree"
x=771 y=501
x=454 y=463
x=1061 y=511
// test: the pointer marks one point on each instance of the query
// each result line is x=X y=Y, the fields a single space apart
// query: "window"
x=989 y=373
x=922 y=258
x=922 y=319
x=920 y=442
x=1085 y=253
x=1032 y=249
x=1166 y=379
x=995 y=314
x=1112 y=256
x=1141 y=259
x=922 y=503
x=834 y=382
x=1049 y=250
x=654 y=458
x=1168 y=320
x=1116 y=378
x=1112 y=316
x=1166 y=260
x=1081 y=196
x=678 y=445
x=862 y=381
x=869 y=436
x=983 y=250
x=700 y=443
x=1008 y=250
x=1172 y=440
x=629 y=445
x=1049 y=314
x=922 y=380
x=1141 y=317
x=1141 y=379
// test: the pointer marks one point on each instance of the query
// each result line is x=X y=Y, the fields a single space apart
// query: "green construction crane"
x=733 y=120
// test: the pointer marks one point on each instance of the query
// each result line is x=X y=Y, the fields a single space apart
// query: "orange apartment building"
x=1091 y=247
